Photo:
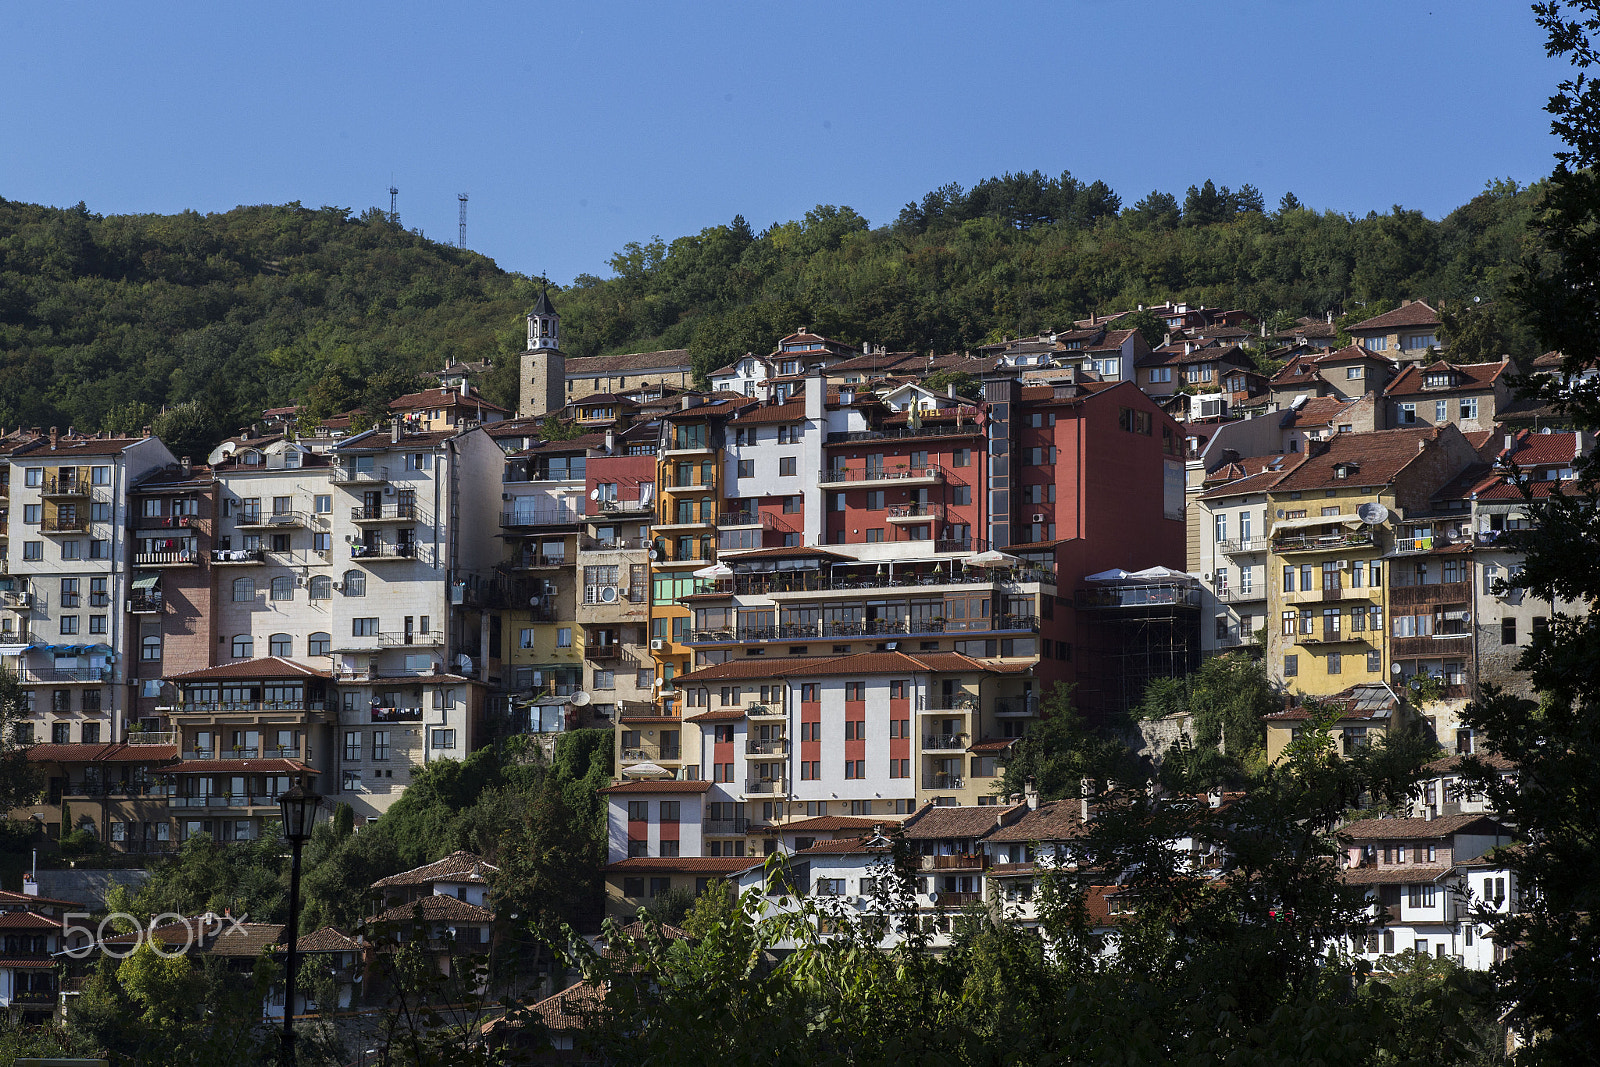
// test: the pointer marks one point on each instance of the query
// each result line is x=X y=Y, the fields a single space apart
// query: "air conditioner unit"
x=338 y=587
x=608 y=594
x=657 y=644
x=389 y=490
x=1341 y=565
x=505 y=496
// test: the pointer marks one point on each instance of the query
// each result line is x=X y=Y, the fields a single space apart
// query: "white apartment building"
x=63 y=624
x=1228 y=536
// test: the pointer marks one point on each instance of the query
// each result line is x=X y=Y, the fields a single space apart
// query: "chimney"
x=147 y=431
x=950 y=390
x=54 y=434
x=1511 y=441
x=1167 y=339
x=185 y=466
x=466 y=387
x=394 y=431
x=72 y=431
x=1405 y=302
x=1030 y=793
x=866 y=348
x=1085 y=787
x=611 y=441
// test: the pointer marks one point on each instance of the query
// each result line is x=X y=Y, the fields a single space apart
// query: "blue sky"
x=578 y=127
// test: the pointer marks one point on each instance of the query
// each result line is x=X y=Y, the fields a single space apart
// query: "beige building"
x=1404 y=334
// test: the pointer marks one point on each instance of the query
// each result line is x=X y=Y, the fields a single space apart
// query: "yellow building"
x=1332 y=519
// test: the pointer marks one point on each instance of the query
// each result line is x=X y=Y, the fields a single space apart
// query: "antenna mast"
x=394 y=206
x=461 y=232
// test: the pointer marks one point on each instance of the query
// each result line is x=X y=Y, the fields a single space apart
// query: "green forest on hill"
x=105 y=320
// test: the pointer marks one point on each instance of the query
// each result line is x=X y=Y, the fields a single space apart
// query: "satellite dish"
x=594 y=494
x=1394 y=668
x=533 y=602
x=580 y=698
x=656 y=684
x=1372 y=514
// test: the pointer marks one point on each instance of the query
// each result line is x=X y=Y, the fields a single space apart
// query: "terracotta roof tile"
x=443 y=398
x=571 y=1009
x=1055 y=820
x=116 y=752
x=266 y=667
x=8 y=898
x=437 y=908
x=680 y=865
x=458 y=866
x=1419 y=829
x=718 y=715
x=934 y=822
x=601 y=366
x=1452 y=764
x=668 y=786
x=27 y=920
x=822 y=824
x=238 y=766
x=1416 y=313
x=1378 y=458
x=328 y=939
x=67 y=448
x=1410 y=874
x=1467 y=378
x=793 y=411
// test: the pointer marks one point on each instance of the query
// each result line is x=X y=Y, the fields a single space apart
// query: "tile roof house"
x=1405 y=334
x=1467 y=395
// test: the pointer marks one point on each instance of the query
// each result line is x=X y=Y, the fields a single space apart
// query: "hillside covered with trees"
x=106 y=320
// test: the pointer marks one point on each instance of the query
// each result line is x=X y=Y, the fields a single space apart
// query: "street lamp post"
x=299 y=807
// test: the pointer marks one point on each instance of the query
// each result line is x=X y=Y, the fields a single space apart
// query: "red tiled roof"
x=8 y=898
x=1466 y=378
x=1415 y=313
x=827 y=824
x=266 y=667
x=964 y=821
x=458 y=866
x=601 y=366
x=997 y=744
x=1054 y=820
x=328 y=939
x=1405 y=829
x=1410 y=874
x=793 y=411
x=667 y=786
x=68 y=448
x=718 y=715
x=680 y=865
x=1319 y=410
x=570 y=1009
x=27 y=963
x=1452 y=764
x=842 y=846
x=1378 y=456
x=745 y=668
x=116 y=752
x=443 y=398
x=437 y=908
x=27 y=920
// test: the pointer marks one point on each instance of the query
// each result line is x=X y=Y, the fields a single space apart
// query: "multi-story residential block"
x=1344 y=374
x=1433 y=881
x=457 y=409
x=31 y=934
x=1333 y=517
x=1469 y=396
x=67 y=545
x=1187 y=364
x=1228 y=526
x=1406 y=334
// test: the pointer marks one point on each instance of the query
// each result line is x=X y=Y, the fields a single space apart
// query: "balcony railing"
x=1322 y=542
x=536 y=560
x=609 y=544
x=238 y=555
x=66 y=487
x=765 y=711
x=942 y=781
x=342 y=474
x=15 y=599
x=211 y=706
x=67 y=674
x=724 y=826
x=243 y=800
x=402 y=550
x=59 y=523
x=1138 y=596
x=944 y=742
x=174 y=558
x=1442 y=593
x=966 y=429
x=244 y=752
x=958 y=900
x=411 y=639
x=972 y=861
x=271 y=520
x=822 y=582
x=765 y=785
x=864 y=475
x=540 y=517
x=911 y=512
x=626 y=507
x=602 y=652
x=1242 y=545
x=771 y=747
x=739 y=518
x=385 y=513
x=145 y=604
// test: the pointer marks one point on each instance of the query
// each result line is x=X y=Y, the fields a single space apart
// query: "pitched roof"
x=437 y=908
x=821 y=824
x=27 y=920
x=1054 y=820
x=1371 y=700
x=112 y=752
x=1416 y=313
x=679 y=865
x=1452 y=764
x=327 y=939
x=1375 y=458
x=1406 y=829
x=238 y=766
x=458 y=866
x=790 y=411
x=1318 y=411
x=265 y=667
x=600 y=366
x=571 y=1009
x=443 y=398
x=965 y=821
x=67 y=447
x=718 y=715
x=844 y=846
x=1466 y=378
x=8 y=899
x=1409 y=874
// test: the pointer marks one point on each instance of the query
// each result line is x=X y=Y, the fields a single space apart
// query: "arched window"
x=244 y=589
x=319 y=644
x=281 y=645
x=355 y=583
x=321 y=587
x=150 y=649
x=283 y=587
x=243 y=646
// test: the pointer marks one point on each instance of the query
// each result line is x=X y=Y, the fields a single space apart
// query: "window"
x=810 y=770
x=1291 y=666
x=875 y=500
x=321 y=587
x=380 y=744
x=669 y=811
x=280 y=645
x=71 y=549
x=793 y=505
x=283 y=587
x=69 y=624
x=69 y=592
x=444 y=739
x=1375 y=344
x=564 y=637
x=33 y=476
x=747 y=468
x=244 y=589
x=1288 y=579
x=786 y=466
x=243 y=646
x=1160 y=374
x=319 y=644
x=1508 y=631
x=352 y=746
x=1374 y=662
x=1408 y=414
x=364 y=627
x=31 y=513
x=605 y=679
x=99 y=549
x=1469 y=407
x=97 y=624
x=355 y=583
x=874 y=536
x=1335 y=663
x=323 y=504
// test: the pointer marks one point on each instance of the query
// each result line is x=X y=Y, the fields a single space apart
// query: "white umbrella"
x=1159 y=573
x=716 y=570
x=646 y=770
x=991 y=558
x=1115 y=574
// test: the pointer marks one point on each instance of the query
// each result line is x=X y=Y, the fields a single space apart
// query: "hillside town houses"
x=824 y=597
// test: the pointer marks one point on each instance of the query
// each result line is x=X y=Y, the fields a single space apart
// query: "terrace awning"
x=145 y=582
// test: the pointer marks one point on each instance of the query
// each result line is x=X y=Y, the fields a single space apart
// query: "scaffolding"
x=1130 y=633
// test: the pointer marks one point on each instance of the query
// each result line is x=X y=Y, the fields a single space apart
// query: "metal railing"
x=385 y=512
x=238 y=555
x=530 y=560
x=341 y=474
x=1138 y=596
x=145 y=603
x=902 y=472
x=1243 y=544
x=944 y=742
x=627 y=507
x=724 y=826
x=15 y=598
x=916 y=511
x=942 y=781
x=739 y=518
x=270 y=519
x=69 y=524
x=765 y=785
x=969 y=861
x=202 y=707
x=545 y=517
x=776 y=746
x=966 y=429
x=1306 y=543
x=67 y=674
x=602 y=652
x=158 y=559
x=382 y=550
x=65 y=487
x=410 y=639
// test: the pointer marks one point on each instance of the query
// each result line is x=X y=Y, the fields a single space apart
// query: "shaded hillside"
x=103 y=320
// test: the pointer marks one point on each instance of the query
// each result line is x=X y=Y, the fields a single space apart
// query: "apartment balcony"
x=944 y=742
x=59 y=523
x=776 y=746
x=65 y=489
x=1241 y=596
x=246 y=752
x=1330 y=542
x=224 y=802
x=16 y=599
x=345 y=474
x=1317 y=596
x=1337 y=637
x=958 y=900
x=724 y=827
x=1442 y=593
x=683 y=526
x=1431 y=647
x=970 y=428
x=613 y=509
x=603 y=653
x=240 y=557
x=914 y=513
x=145 y=604
x=232 y=707
x=974 y=861
x=739 y=518
x=693 y=485
x=183 y=557
x=274 y=520
x=1243 y=546
x=412 y=639
x=766 y=786
x=943 y=781
x=21 y=635
x=671 y=754
x=520 y=518
x=930 y=576
x=69 y=675
x=765 y=711
x=610 y=544
x=534 y=561
x=384 y=553
x=1114 y=597
x=167 y=522
x=685 y=449
x=878 y=477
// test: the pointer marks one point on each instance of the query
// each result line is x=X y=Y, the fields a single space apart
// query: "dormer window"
x=1344 y=470
x=1437 y=381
